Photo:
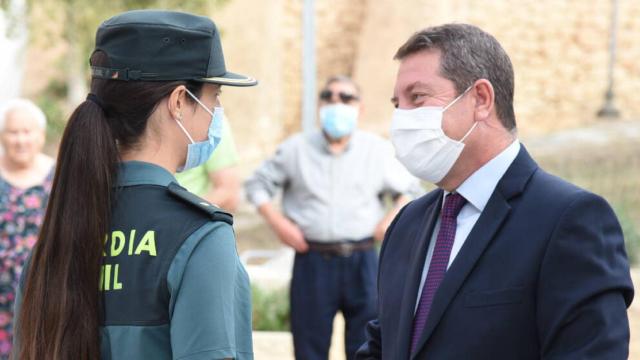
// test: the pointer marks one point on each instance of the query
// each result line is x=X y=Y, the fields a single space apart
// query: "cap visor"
x=231 y=79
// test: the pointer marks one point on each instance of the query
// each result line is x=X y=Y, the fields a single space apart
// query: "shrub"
x=631 y=233
x=270 y=309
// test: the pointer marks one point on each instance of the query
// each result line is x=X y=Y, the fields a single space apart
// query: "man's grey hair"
x=22 y=104
x=469 y=54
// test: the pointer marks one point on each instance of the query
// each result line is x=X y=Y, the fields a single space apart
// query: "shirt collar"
x=143 y=173
x=478 y=187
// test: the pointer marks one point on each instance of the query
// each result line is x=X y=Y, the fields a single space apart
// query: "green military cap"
x=158 y=45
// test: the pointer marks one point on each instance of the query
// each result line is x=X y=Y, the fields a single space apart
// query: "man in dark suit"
x=502 y=261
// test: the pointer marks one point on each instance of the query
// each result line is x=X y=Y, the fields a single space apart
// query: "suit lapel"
x=492 y=218
x=415 y=266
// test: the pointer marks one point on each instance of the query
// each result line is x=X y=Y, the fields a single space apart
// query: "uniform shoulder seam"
x=213 y=211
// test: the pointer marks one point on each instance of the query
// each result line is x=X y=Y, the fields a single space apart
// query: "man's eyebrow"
x=418 y=84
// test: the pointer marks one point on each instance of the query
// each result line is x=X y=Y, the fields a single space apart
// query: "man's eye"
x=417 y=97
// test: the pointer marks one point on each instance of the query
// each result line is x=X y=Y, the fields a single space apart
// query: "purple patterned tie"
x=453 y=203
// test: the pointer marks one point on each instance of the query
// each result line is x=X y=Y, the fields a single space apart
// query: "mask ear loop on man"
x=453 y=102
x=457 y=98
x=469 y=132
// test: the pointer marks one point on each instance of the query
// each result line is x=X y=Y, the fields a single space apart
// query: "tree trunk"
x=76 y=61
x=13 y=46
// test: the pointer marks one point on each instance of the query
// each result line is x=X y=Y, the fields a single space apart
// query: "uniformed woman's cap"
x=157 y=45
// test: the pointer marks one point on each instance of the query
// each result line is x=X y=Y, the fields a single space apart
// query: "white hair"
x=22 y=104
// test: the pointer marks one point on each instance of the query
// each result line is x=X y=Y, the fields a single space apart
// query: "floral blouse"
x=21 y=214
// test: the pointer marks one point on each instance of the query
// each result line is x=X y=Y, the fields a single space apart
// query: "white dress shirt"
x=332 y=197
x=477 y=190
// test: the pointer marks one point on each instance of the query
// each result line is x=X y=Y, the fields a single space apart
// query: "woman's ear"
x=177 y=101
x=485 y=97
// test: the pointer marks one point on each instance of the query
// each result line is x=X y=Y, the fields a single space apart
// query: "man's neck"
x=459 y=174
x=337 y=146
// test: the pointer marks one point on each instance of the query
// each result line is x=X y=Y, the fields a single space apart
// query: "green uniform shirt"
x=210 y=297
x=196 y=180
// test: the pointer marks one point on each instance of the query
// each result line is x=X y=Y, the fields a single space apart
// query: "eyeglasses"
x=345 y=98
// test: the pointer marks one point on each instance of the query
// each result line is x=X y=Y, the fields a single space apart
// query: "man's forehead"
x=344 y=85
x=425 y=62
x=411 y=86
x=421 y=71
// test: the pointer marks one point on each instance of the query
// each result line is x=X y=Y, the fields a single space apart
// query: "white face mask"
x=420 y=143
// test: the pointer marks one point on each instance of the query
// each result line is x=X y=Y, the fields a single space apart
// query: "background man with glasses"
x=334 y=181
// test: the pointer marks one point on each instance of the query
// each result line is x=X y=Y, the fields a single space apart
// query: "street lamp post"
x=609 y=110
x=308 y=66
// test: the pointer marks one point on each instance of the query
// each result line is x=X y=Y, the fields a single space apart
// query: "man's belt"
x=340 y=248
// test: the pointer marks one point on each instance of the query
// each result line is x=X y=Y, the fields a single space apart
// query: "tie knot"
x=453 y=203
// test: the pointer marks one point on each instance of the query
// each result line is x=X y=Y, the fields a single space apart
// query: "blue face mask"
x=338 y=120
x=199 y=152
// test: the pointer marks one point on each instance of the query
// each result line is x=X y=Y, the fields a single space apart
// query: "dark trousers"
x=321 y=286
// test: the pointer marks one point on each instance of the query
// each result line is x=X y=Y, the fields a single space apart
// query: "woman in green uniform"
x=128 y=264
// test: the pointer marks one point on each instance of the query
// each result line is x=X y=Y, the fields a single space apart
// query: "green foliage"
x=79 y=20
x=270 y=309
x=630 y=230
x=611 y=170
x=50 y=101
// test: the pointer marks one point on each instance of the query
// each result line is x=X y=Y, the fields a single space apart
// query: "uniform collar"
x=143 y=173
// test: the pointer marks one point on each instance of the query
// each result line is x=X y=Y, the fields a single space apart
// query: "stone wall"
x=559 y=49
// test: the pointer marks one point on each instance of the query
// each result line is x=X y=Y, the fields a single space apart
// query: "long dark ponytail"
x=60 y=315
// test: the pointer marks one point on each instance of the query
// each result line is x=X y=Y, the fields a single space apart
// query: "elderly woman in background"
x=25 y=181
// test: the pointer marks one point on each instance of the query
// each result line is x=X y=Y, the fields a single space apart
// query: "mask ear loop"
x=457 y=98
x=219 y=108
x=469 y=132
x=199 y=102
x=185 y=131
x=453 y=102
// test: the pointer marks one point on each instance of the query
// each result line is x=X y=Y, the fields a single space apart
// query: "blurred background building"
x=559 y=49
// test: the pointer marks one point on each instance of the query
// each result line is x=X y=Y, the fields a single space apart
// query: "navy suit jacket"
x=542 y=275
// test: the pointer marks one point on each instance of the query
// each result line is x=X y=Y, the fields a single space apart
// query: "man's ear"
x=484 y=99
x=176 y=102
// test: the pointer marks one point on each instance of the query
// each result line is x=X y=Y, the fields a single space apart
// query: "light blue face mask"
x=338 y=120
x=199 y=152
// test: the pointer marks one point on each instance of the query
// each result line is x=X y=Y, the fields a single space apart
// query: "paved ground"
x=279 y=346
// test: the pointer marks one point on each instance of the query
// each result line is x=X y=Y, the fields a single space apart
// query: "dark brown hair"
x=61 y=312
x=469 y=54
